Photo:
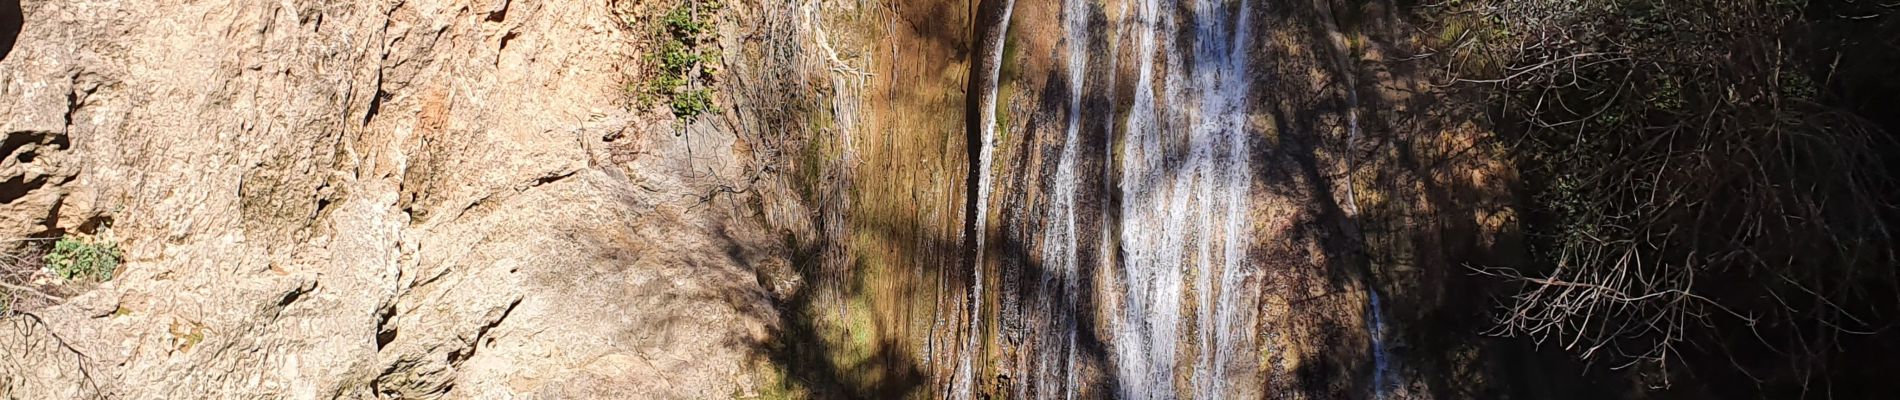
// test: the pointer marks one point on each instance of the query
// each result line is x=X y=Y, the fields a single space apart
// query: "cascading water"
x=1185 y=180
x=1175 y=228
x=1185 y=186
x=1059 y=294
x=963 y=385
x=1054 y=345
x=1375 y=326
x=1381 y=370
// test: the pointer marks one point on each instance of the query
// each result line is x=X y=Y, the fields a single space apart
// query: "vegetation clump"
x=83 y=258
x=682 y=70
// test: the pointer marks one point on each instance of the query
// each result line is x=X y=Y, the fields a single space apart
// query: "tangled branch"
x=1689 y=180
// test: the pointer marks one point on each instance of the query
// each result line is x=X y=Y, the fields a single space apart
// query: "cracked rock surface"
x=374 y=199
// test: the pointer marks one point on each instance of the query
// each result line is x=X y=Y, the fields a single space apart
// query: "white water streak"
x=1056 y=377
x=964 y=383
x=1375 y=329
x=1185 y=186
x=1381 y=370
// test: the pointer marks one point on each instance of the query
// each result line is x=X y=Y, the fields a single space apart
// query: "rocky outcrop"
x=391 y=199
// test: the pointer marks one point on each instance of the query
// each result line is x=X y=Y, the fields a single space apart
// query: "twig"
x=31 y=291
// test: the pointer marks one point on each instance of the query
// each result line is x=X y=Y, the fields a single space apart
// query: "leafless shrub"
x=1689 y=182
x=21 y=265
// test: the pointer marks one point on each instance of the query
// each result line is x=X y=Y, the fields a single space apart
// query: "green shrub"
x=678 y=59
x=680 y=69
x=693 y=102
x=75 y=257
x=680 y=22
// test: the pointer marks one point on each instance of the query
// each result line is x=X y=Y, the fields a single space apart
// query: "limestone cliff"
x=390 y=199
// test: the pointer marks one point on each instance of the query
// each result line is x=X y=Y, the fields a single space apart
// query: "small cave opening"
x=12 y=21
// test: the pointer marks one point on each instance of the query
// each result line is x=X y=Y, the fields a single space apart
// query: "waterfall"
x=1057 y=358
x=1053 y=369
x=1375 y=326
x=965 y=381
x=1179 y=299
x=1143 y=340
x=1381 y=370
x=1185 y=181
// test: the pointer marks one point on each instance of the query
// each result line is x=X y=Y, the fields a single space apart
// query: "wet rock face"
x=403 y=199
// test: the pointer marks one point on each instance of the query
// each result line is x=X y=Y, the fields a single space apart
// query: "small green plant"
x=693 y=102
x=75 y=257
x=681 y=22
x=682 y=70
